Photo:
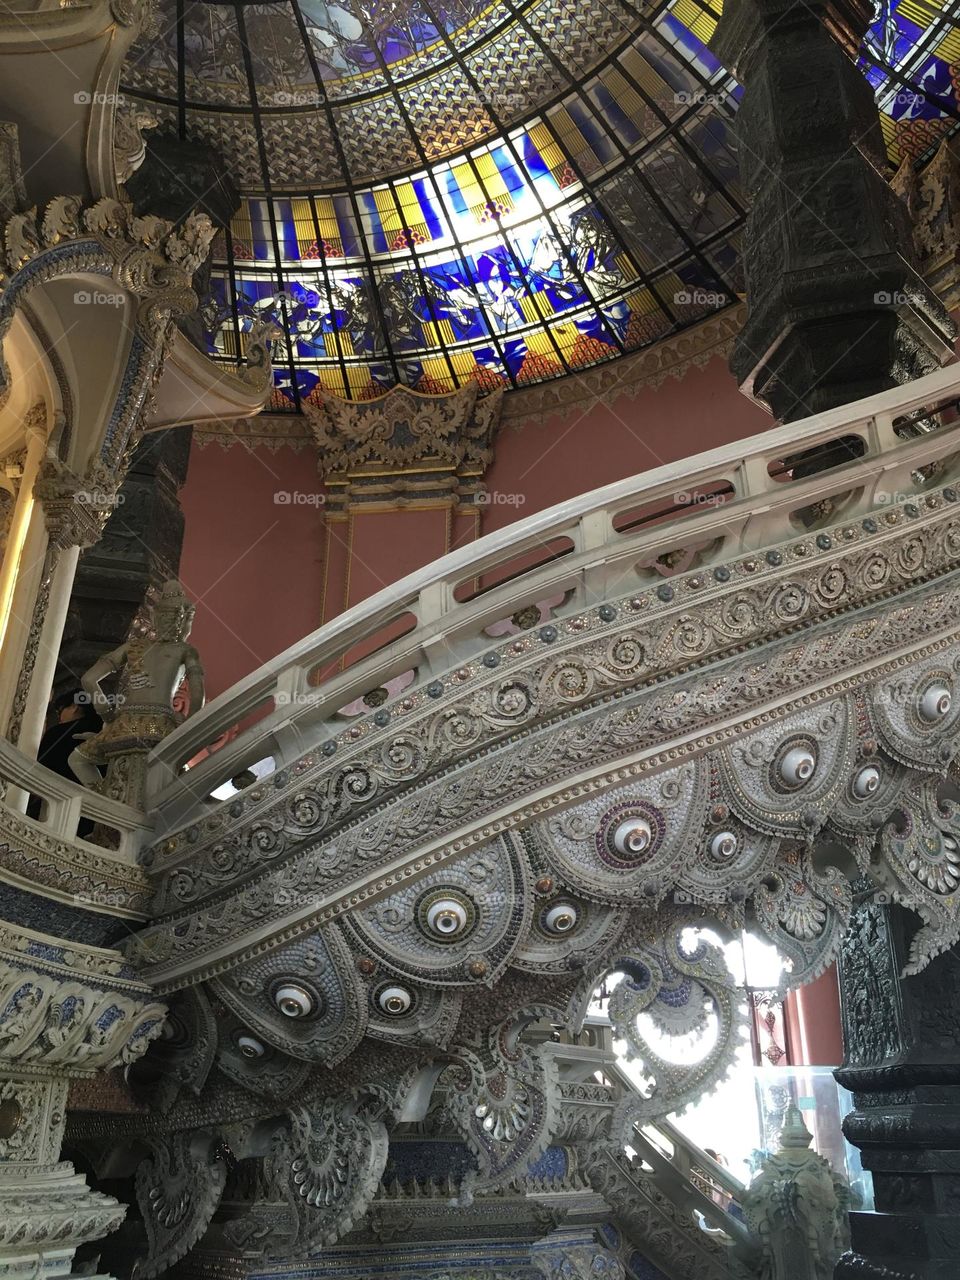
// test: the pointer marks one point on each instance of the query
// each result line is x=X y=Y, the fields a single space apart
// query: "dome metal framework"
x=440 y=191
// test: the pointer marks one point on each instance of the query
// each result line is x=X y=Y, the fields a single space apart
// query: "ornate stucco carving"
x=70 y=1009
x=405 y=446
x=178 y=1188
x=932 y=196
x=76 y=507
x=129 y=144
x=29 y=854
x=13 y=194
x=558 y=1261
x=288 y=830
x=26 y=235
x=144 y=256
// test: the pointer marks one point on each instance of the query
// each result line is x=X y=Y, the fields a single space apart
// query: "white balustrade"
x=588 y=547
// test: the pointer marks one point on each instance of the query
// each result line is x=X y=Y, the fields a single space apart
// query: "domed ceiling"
x=445 y=190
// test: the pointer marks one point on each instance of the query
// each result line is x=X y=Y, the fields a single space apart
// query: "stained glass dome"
x=507 y=192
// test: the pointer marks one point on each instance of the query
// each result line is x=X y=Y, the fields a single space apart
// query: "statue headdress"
x=173 y=599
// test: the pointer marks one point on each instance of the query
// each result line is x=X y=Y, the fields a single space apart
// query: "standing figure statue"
x=140 y=712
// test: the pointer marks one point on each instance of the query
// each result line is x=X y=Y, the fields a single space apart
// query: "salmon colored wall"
x=812 y=1015
x=256 y=568
x=568 y=455
x=253 y=565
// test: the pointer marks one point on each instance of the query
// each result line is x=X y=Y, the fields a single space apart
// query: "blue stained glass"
x=586 y=122
x=349 y=237
x=535 y=164
x=432 y=215
x=514 y=179
x=286 y=230
x=262 y=231
x=514 y=353
x=698 y=53
x=455 y=195
x=614 y=114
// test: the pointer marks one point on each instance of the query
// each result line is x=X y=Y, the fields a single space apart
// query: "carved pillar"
x=25 y=577
x=903 y=1067
x=835 y=309
x=68 y=513
x=46 y=1209
x=66 y=1010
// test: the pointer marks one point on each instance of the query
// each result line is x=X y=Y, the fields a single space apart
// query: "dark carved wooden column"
x=902 y=1040
x=836 y=310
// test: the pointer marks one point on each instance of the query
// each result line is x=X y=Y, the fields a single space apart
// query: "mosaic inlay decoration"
x=505 y=193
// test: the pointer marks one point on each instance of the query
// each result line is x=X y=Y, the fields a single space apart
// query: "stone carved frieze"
x=651 y=635
x=572 y=667
x=90 y=876
x=319 y=1178
x=504 y=1101
x=41 y=1111
x=64 y=1212
x=70 y=1008
x=636 y=1197
x=178 y=1189
x=560 y=1261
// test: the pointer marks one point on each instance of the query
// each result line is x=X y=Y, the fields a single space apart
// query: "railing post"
x=594 y=529
x=752 y=476
x=433 y=602
x=63 y=815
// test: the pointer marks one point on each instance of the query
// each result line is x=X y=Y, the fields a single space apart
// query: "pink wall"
x=253 y=565
x=544 y=463
x=256 y=567
x=812 y=1015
